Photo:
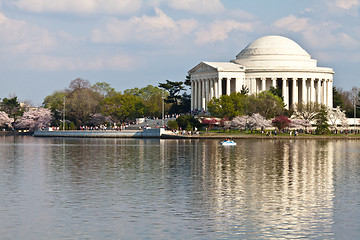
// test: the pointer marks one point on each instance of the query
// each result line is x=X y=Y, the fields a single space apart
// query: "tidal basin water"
x=54 y=188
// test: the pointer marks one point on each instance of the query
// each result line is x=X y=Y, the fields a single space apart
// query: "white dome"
x=274 y=51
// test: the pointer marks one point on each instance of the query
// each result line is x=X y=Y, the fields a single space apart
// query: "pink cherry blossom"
x=5 y=120
x=34 y=119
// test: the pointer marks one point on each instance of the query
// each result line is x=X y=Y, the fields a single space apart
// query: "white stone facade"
x=268 y=61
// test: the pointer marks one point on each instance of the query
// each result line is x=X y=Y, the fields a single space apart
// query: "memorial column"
x=220 y=87
x=203 y=94
x=228 y=86
x=318 y=91
x=206 y=92
x=330 y=94
x=295 y=97
x=304 y=91
x=273 y=82
x=216 y=89
x=263 y=84
x=198 y=95
x=325 y=91
x=285 y=93
x=192 y=95
x=312 y=90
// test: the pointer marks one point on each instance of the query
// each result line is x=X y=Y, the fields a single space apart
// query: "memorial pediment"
x=203 y=67
x=217 y=66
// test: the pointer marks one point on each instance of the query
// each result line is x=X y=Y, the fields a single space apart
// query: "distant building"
x=268 y=61
x=26 y=107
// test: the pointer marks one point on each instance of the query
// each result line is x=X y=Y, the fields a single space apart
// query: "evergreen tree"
x=184 y=121
x=337 y=99
x=174 y=89
x=12 y=107
x=187 y=81
x=180 y=103
x=244 y=90
x=276 y=92
x=322 y=126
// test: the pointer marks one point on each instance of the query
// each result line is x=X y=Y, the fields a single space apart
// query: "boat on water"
x=228 y=142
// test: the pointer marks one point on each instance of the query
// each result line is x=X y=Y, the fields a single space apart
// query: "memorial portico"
x=271 y=61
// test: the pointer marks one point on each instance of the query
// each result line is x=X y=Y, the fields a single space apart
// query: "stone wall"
x=146 y=133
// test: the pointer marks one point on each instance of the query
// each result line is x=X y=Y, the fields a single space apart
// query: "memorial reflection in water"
x=277 y=186
x=179 y=188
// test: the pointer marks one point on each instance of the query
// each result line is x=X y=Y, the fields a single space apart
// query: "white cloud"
x=32 y=47
x=292 y=23
x=163 y=29
x=18 y=36
x=144 y=29
x=347 y=4
x=80 y=6
x=319 y=35
x=219 y=30
x=197 y=6
x=240 y=14
x=339 y=7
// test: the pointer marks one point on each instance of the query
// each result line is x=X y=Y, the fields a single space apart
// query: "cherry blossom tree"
x=259 y=121
x=306 y=111
x=281 y=122
x=336 y=116
x=35 y=119
x=300 y=123
x=240 y=122
x=254 y=121
x=210 y=122
x=5 y=120
x=227 y=124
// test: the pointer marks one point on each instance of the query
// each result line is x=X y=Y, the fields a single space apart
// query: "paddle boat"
x=228 y=142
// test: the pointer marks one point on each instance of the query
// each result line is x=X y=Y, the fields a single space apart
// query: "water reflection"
x=274 y=188
x=121 y=188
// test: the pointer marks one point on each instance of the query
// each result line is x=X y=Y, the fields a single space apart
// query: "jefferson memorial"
x=268 y=61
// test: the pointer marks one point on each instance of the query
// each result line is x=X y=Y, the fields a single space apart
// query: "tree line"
x=84 y=104
x=347 y=101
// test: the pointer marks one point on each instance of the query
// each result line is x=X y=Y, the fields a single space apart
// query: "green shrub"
x=72 y=126
x=172 y=124
x=184 y=120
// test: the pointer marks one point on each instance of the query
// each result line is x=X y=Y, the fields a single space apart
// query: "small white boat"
x=228 y=143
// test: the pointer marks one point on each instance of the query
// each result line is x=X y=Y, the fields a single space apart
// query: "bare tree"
x=355 y=98
x=104 y=89
x=79 y=84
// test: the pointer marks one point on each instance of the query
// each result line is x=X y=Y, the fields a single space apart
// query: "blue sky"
x=45 y=44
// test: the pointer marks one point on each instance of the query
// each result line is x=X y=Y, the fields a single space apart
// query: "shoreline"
x=16 y=133
x=257 y=136
x=167 y=135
